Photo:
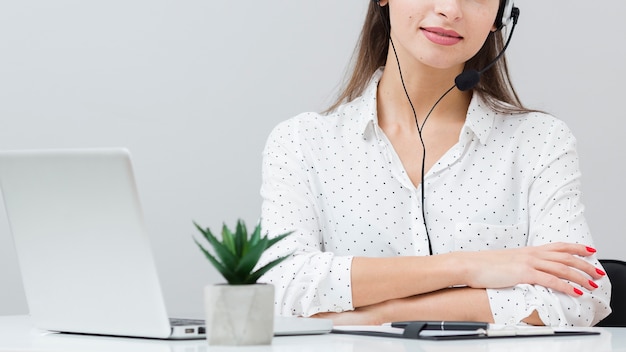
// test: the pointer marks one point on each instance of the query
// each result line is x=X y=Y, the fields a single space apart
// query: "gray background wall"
x=193 y=87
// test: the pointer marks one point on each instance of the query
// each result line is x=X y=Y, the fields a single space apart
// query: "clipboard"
x=420 y=330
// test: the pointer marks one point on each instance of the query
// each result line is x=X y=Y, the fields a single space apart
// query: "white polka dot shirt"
x=510 y=181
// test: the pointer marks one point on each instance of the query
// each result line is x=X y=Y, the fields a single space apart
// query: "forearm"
x=464 y=304
x=453 y=304
x=376 y=280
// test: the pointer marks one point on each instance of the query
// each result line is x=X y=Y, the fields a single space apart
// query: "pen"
x=444 y=325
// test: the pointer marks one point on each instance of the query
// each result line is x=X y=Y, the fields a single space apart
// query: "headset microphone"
x=470 y=78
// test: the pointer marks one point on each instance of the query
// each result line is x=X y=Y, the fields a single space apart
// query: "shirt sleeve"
x=556 y=214
x=310 y=280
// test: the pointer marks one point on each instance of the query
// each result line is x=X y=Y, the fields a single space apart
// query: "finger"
x=573 y=261
x=567 y=272
x=552 y=282
x=571 y=248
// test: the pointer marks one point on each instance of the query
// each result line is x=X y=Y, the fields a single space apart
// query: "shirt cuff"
x=335 y=291
x=509 y=306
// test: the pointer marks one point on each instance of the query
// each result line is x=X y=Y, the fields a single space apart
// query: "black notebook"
x=429 y=330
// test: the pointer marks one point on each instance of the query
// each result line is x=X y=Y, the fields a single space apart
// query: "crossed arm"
x=424 y=288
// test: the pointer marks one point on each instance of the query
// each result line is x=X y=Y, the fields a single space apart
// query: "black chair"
x=616 y=271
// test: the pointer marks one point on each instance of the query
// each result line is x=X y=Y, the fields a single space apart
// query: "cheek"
x=485 y=17
x=482 y=30
x=477 y=42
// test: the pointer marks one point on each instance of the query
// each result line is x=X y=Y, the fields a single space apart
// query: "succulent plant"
x=237 y=254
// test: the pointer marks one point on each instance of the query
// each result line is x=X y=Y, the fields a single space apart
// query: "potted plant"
x=240 y=312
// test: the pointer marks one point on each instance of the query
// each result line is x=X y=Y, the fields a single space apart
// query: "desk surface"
x=18 y=334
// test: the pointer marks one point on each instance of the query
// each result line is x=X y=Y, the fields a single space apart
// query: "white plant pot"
x=239 y=314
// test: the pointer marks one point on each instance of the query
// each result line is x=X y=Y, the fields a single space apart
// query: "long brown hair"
x=495 y=86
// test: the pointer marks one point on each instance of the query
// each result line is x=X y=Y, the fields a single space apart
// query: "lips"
x=441 y=36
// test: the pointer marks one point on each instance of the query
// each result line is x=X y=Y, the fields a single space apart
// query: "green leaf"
x=226 y=272
x=274 y=240
x=255 y=276
x=227 y=258
x=250 y=260
x=227 y=239
x=204 y=232
x=241 y=237
x=256 y=235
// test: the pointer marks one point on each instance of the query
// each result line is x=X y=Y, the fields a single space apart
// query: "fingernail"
x=600 y=272
x=593 y=284
x=591 y=249
x=578 y=292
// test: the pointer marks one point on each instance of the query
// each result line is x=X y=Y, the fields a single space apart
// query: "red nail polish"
x=578 y=292
x=591 y=249
x=600 y=272
x=593 y=284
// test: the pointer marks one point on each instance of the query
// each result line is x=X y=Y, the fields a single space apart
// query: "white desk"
x=17 y=334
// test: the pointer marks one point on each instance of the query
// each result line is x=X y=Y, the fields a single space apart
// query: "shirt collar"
x=369 y=117
x=478 y=122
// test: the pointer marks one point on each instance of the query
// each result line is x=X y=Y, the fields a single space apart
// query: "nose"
x=450 y=9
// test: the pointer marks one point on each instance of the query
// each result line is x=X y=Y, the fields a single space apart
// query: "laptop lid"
x=81 y=242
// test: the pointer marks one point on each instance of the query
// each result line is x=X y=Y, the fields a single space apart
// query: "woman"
x=471 y=211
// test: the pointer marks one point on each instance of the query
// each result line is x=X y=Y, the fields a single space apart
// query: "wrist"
x=459 y=268
x=386 y=313
x=379 y=313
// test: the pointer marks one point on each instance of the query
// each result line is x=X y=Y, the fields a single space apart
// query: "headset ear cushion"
x=504 y=15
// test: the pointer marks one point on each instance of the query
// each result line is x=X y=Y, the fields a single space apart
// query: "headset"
x=506 y=12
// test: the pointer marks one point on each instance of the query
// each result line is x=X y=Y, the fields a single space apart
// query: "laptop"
x=83 y=248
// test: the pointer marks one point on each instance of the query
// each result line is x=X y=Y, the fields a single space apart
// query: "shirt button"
x=338 y=310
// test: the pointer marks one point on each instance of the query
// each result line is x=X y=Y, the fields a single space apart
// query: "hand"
x=551 y=265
